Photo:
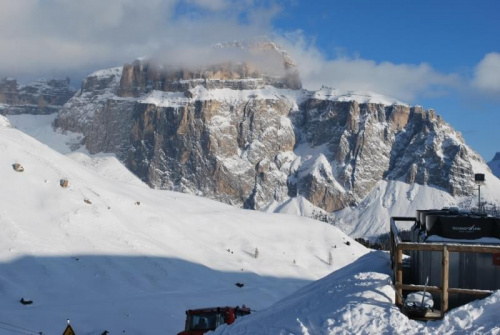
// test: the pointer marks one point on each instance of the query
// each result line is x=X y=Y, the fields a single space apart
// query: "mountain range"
x=92 y=232
x=243 y=135
x=245 y=132
x=494 y=165
x=38 y=98
x=110 y=254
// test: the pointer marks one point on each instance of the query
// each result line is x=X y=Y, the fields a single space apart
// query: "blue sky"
x=447 y=34
x=451 y=36
x=439 y=54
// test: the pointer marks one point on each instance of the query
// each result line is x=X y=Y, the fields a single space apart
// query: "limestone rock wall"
x=40 y=97
x=254 y=143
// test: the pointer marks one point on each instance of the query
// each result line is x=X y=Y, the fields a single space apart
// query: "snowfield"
x=395 y=198
x=358 y=299
x=109 y=253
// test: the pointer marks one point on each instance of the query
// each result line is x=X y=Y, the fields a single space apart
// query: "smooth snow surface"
x=4 y=122
x=110 y=254
x=389 y=198
x=394 y=198
x=298 y=205
x=108 y=166
x=40 y=127
x=358 y=299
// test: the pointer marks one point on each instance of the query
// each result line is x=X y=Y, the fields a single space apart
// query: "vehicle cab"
x=203 y=320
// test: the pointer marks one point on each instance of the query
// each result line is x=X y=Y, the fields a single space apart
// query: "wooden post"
x=399 y=276
x=445 y=278
x=391 y=249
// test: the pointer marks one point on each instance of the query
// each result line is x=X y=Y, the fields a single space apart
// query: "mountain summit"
x=233 y=65
x=40 y=97
x=238 y=133
x=494 y=165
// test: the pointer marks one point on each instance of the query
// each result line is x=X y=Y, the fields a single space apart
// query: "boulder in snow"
x=64 y=183
x=18 y=167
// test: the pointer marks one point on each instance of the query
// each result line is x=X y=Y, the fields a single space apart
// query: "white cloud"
x=40 y=38
x=402 y=81
x=63 y=37
x=214 y=5
x=487 y=74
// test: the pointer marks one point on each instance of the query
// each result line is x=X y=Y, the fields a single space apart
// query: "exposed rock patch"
x=40 y=97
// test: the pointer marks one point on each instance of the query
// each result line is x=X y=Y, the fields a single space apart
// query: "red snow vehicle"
x=200 y=321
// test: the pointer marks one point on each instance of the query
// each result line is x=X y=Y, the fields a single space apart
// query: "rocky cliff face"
x=255 y=140
x=494 y=165
x=250 y=73
x=40 y=97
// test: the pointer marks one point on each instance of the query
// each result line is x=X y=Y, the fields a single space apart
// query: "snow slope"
x=109 y=253
x=359 y=299
x=40 y=127
x=4 y=122
x=133 y=259
x=389 y=198
x=394 y=198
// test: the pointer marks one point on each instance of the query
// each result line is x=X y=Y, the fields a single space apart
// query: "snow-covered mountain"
x=40 y=97
x=395 y=198
x=236 y=133
x=494 y=165
x=109 y=253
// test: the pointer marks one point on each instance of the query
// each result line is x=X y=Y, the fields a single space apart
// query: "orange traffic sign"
x=69 y=331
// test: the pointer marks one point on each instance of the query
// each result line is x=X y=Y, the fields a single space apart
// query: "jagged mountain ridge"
x=258 y=141
x=39 y=97
x=494 y=165
x=234 y=65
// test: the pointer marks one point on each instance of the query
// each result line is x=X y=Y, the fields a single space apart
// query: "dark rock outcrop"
x=40 y=97
x=494 y=165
